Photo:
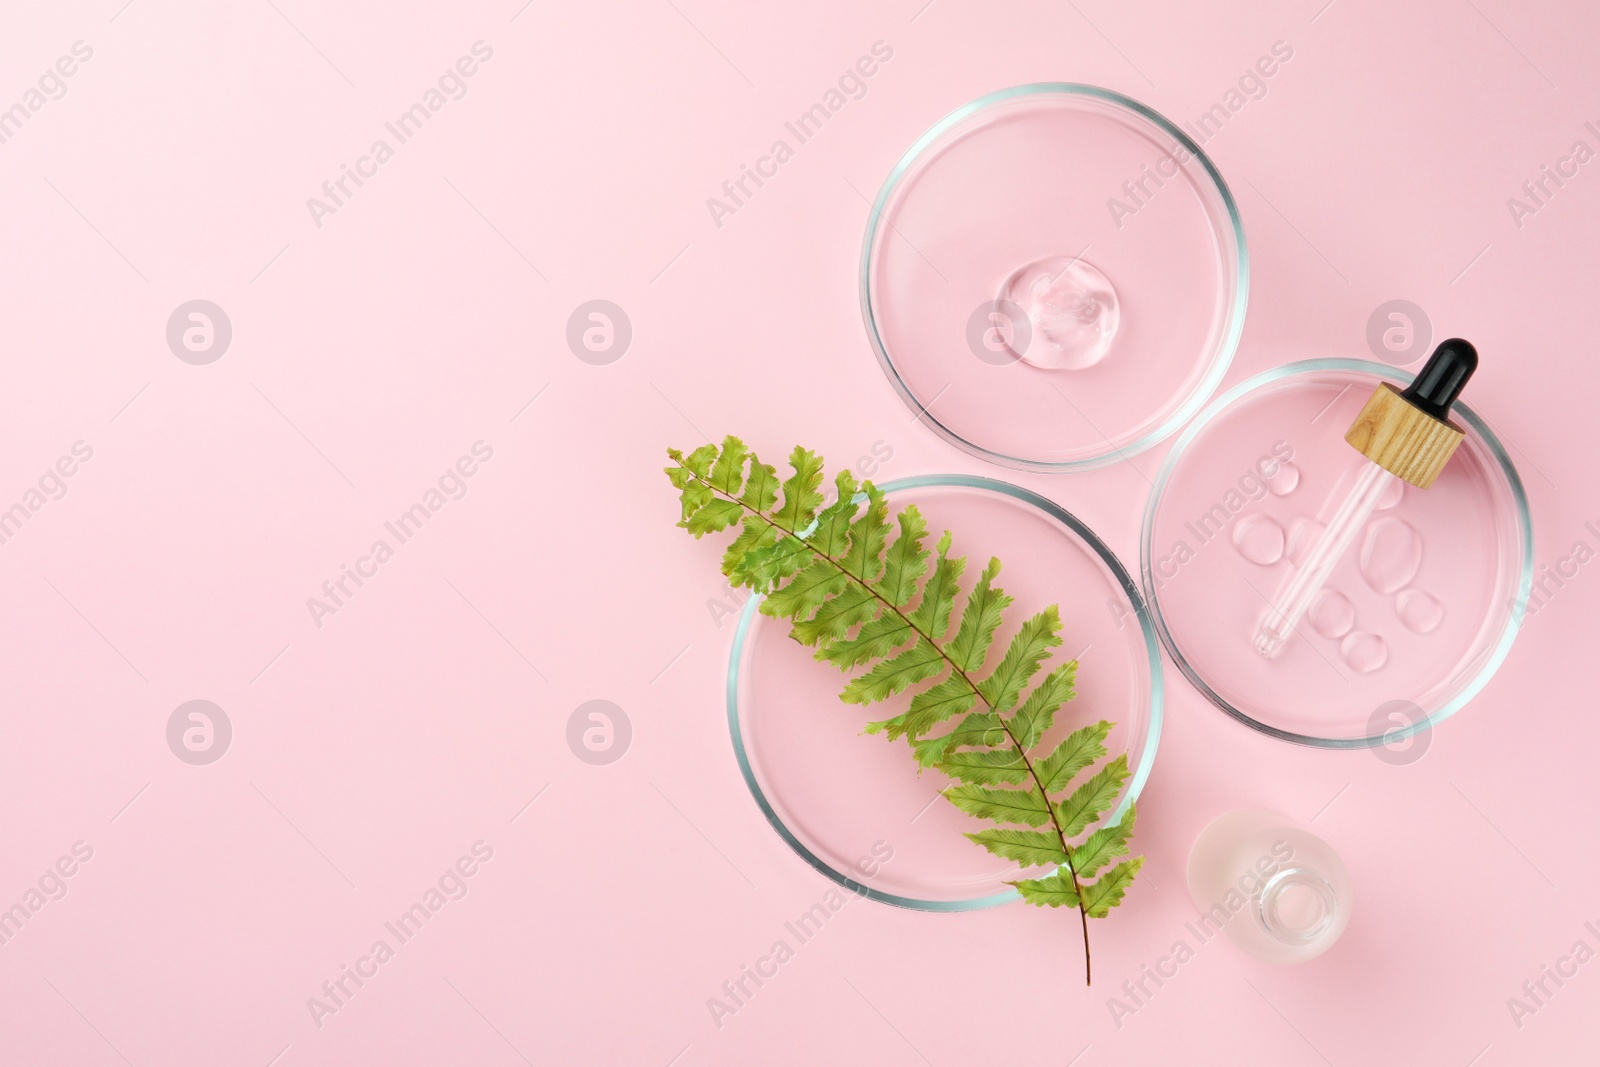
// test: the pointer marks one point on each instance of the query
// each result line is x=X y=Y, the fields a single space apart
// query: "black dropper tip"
x=1442 y=378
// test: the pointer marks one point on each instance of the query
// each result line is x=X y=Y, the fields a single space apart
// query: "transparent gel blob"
x=1332 y=614
x=1391 y=554
x=1282 y=481
x=1072 y=308
x=1259 y=539
x=1420 y=612
x=1364 y=652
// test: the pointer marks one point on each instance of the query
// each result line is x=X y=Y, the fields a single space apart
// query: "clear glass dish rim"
x=1221 y=359
x=1152 y=657
x=1401 y=377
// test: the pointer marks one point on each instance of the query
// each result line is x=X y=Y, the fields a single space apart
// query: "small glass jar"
x=1279 y=892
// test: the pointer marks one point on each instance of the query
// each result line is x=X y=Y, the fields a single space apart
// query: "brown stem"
x=1055 y=823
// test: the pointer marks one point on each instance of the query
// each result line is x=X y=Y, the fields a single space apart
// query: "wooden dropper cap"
x=1408 y=432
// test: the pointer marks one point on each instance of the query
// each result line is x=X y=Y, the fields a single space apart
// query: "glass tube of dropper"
x=1296 y=597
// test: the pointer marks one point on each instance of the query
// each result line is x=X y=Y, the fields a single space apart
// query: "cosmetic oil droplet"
x=1420 y=612
x=1364 y=652
x=1258 y=539
x=1302 y=536
x=1072 y=308
x=1332 y=614
x=1391 y=496
x=1282 y=481
x=1391 y=554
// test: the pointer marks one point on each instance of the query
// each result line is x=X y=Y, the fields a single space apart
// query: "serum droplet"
x=1364 y=652
x=1391 y=555
x=1072 y=308
x=1282 y=482
x=1332 y=614
x=1420 y=612
x=1258 y=539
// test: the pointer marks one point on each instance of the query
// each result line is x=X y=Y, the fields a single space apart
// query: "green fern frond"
x=857 y=583
x=991 y=767
x=1103 y=846
x=1093 y=797
x=979 y=620
x=1037 y=714
x=1099 y=897
x=1057 y=889
x=1030 y=848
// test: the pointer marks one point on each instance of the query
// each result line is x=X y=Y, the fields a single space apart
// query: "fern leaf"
x=980 y=729
x=800 y=496
x=833 y=619
x=1037 y=713
x=1106 y=893
x=690 y=477
x=1077 y=751
x=1103 y=846
x=868 y=535
x=1086 y=803
x=875 y=640
x=927 y=750
x=996 y=767
x=761 y=487
x=754 y=535
x=1024 y=806
x=916 y=664
x=979 y=620
x=860 y=585
x=697 y=462
x=1023 y=656
x=693 y=492
x=1054 y=890
x=805 y=592
x=680 y=474
x=932 y=616
x=928 y=708
x=712 y=516
x=832 y=534
x=1031 y=848
x=727 y=470
x=765 y=565
x=907 y=560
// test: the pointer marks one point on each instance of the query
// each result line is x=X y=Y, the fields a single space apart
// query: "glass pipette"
x=1403 y=434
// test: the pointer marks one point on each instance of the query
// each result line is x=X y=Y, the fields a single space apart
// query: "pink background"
x=368 y=354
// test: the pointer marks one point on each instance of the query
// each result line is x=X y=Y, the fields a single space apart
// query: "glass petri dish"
x=1415 y=618
x=854 y=805
x=1054 y=277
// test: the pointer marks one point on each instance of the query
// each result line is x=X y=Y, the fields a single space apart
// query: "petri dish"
x=1415 y=618
x=1054 y=277
x=854 y=805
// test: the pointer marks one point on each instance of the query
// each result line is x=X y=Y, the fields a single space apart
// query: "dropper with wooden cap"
x=1405 y=434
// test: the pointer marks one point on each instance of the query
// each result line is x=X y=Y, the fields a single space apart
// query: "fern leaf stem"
x=1022 y=753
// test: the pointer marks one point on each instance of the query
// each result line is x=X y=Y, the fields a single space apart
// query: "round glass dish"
x=1054 y=276
x=853 y=805
x=1414 y=619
